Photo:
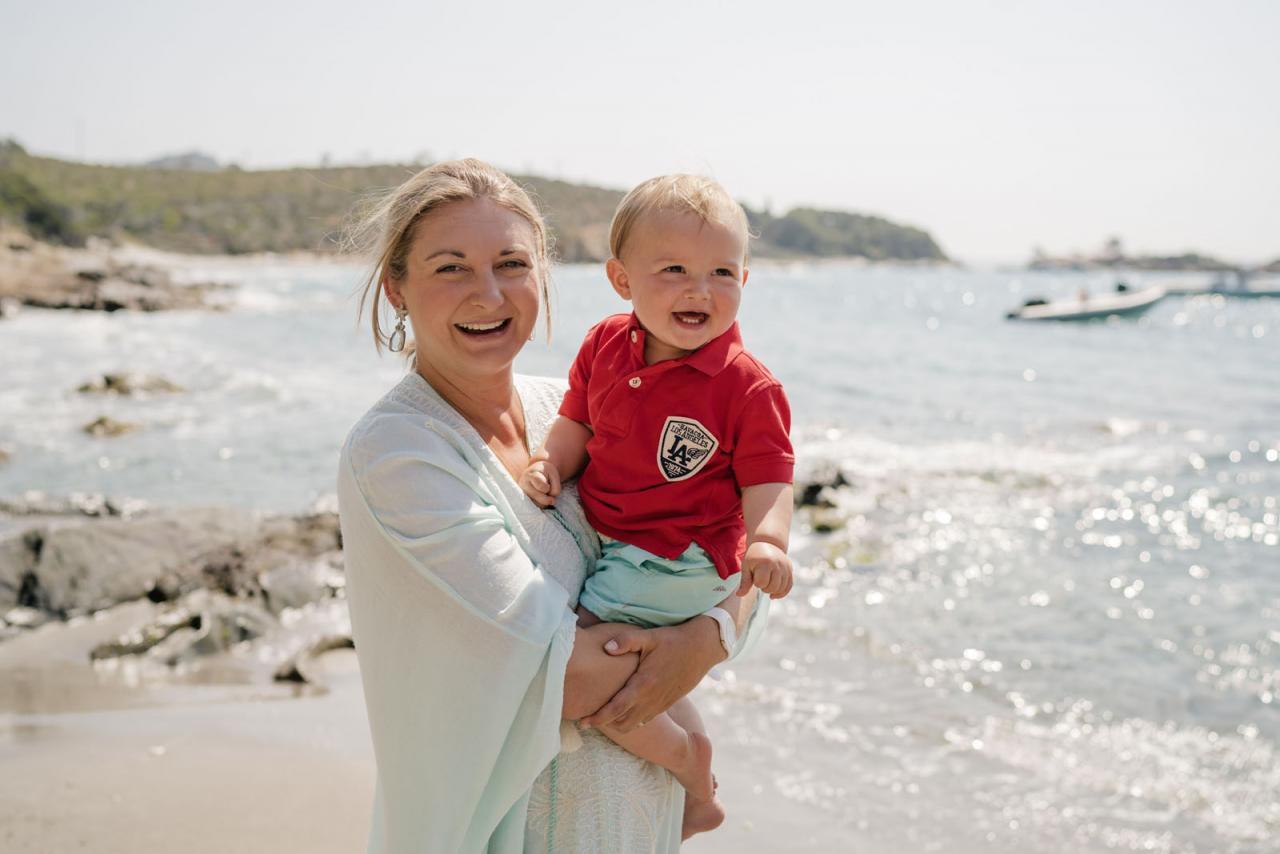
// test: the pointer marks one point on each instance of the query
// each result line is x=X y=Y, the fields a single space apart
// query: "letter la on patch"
x=684 y=447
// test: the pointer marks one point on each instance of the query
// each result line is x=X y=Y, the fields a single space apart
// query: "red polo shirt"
x=675 y=442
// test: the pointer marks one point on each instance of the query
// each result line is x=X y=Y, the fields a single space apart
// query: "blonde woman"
x=462 y=590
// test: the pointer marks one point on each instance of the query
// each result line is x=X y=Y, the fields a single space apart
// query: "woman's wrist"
x=728 y=629
x=702 y=634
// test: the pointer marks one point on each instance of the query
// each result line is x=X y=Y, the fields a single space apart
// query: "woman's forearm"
x=671 y=661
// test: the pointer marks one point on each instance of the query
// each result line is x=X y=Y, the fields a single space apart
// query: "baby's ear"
x=745 y=273
x=618 y=278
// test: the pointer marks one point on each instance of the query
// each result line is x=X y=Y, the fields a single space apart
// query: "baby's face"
x=684 y=276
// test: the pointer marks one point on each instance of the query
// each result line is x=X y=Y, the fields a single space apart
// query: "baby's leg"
x=699 y=815
x=686 y=753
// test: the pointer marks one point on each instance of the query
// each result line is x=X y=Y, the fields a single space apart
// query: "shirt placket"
x=622 y=405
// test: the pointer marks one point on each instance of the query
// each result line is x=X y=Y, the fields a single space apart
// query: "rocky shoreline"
x=95 y=278
x=221 y=579
x=218 y=580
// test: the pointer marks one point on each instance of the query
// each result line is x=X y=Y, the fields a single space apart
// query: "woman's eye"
x=514 y=264
x=449 y=268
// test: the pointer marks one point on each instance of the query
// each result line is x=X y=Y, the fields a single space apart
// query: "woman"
x=461 y=589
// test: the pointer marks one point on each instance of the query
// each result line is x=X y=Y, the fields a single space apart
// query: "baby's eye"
x=725 y=271
x=674 y=268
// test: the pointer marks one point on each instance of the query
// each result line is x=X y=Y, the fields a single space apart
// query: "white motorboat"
x=1121 y=303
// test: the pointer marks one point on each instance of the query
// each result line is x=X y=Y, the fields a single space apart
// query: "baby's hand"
x=766 y=566
x=541 y=481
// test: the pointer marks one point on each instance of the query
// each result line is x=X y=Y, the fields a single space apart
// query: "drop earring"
x=396 y=342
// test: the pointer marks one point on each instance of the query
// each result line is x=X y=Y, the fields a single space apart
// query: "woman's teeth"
x=483 y=327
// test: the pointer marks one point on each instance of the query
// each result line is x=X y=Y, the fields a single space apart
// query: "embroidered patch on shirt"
x=684 y=448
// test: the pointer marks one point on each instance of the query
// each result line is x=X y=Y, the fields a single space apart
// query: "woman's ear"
x=392 y=292
x=618 y=278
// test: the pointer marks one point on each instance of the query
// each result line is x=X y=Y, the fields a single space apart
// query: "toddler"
x=689 y=480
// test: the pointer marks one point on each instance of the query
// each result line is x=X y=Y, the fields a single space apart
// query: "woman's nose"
x=488 y=291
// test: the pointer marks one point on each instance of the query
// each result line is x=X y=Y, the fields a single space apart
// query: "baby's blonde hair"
x=384 y=232
x=695 y=194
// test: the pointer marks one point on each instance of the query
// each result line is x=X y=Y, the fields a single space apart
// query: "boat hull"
x=1098 y=308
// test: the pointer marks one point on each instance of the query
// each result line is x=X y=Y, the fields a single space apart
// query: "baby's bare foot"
x=701 y=816
x=696 y=775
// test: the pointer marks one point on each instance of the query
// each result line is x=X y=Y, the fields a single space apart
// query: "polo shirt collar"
x=710 y=359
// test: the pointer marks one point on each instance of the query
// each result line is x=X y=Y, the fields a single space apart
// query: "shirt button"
x=634 y=336
x=634 y=382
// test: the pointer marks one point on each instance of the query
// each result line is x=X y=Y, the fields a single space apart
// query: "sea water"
x=1044 y=615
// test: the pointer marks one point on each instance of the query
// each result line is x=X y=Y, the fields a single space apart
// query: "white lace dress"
x=425 y=623
x=595 y=796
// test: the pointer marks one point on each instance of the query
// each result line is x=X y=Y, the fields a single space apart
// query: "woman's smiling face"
x=471 y=288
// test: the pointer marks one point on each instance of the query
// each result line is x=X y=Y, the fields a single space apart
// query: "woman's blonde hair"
x=695 y=194
x=384 y=232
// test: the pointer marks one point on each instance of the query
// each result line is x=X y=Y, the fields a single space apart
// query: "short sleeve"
x=429 y=503
x=762 y=450
x=575 y=405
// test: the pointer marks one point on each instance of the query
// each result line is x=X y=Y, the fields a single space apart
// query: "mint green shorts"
x=632 y=585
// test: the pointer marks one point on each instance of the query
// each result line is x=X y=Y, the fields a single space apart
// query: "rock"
x=295 y=583
x=18 y=555
x=128 y=384
x=5 y=456
x=35 y=503
x=80 y=565
x=299 y=669
x=9 y=308
x=826 y=520
x=309 y=534
x=46 y=276
x=26 y=618
x=205 y=623
x=146 y=636
x=107 y=427
x=819 y=491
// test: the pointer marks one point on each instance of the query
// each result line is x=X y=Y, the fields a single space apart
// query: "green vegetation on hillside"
x=25 y=205
x=237 y=211
x=805 y=231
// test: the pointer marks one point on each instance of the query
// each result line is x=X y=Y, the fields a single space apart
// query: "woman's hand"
x=673 y=659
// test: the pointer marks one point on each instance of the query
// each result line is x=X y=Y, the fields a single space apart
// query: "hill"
x=183 y=205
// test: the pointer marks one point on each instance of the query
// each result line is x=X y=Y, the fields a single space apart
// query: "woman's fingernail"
x=611 y=645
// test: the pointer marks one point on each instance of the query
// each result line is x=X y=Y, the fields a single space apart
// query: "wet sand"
x=90 y=762
x=114 y=760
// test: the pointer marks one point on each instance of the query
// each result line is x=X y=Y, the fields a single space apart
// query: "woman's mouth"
x=691 y=318
x=494 y=327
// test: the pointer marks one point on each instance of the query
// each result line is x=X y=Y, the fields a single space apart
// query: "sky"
x=996 y=126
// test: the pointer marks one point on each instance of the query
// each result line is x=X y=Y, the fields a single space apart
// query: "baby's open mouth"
x=691 y=318
x=491 y=328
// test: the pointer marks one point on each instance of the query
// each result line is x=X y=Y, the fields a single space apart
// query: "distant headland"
x=190 y=202
x=1112 y=255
